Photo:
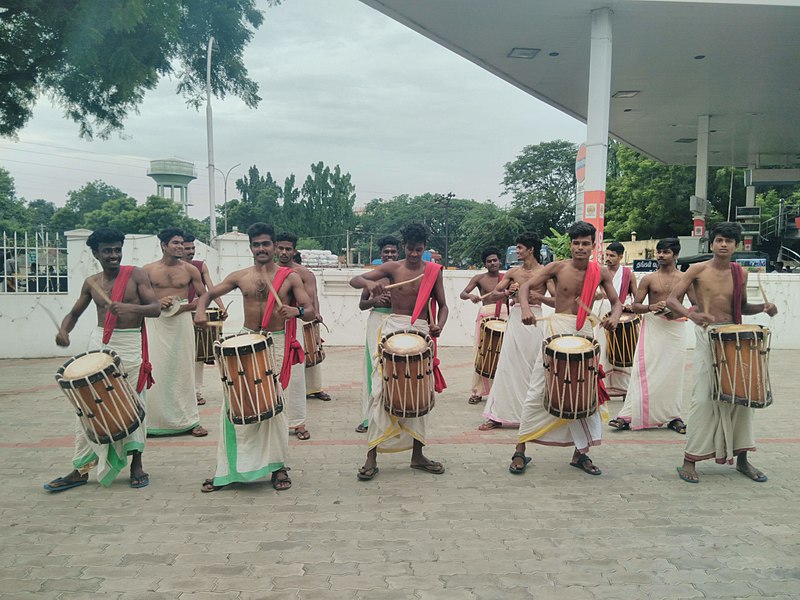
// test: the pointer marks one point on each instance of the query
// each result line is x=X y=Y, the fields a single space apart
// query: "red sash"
x=292 y=350
x=432 y=271
x=625 y=288
x=590 y=282
x=738 y=284
x=192 y=295
x=117 y=295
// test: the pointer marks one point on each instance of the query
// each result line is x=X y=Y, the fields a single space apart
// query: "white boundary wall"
x=28 y=331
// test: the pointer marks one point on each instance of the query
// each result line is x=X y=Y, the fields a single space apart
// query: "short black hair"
x=414 y=233
x=529 y=239
x=581 y=229
x=388 y=240
x=165 y=235
x=616 y=247
x=726 y=229
x=487 y=252
x=298 y=258
x=188 y=238
x=104 y=235
x=670 y=243
x=287 y=236
x=257 y=229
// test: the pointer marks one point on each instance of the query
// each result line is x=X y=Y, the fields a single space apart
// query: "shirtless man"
x=716 y=430
x=171 y=403
x=490 y=304
x=138 y=301
x=247 y=452
x=379 y=309
x=521 y=343
x=575 y=278
x=657 y=398
x=189 y=251
x=388 y=432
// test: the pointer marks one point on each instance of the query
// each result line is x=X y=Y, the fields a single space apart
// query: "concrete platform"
x=475 y=532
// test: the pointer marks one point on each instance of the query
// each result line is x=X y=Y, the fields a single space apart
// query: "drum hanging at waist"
x=740 y=357
x=492 y=331
x=406 y=359
x=570 y=363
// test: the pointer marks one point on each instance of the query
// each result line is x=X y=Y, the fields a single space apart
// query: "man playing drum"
x=379 y=308
x=491 y=306
x=171 y=403
x=655 y=391
x=298 y=389
x=189 y=251
x=411 y=305
x=716 y=429
x=254 y=450
x=576 y=281
x=124 y=325
x=617 y=377
x=521 y=344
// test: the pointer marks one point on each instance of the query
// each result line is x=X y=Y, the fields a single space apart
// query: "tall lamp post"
x=445 y=199
x=225 y=191
x=210 y=136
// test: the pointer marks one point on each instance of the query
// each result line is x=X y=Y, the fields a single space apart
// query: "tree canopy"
x=98 y=59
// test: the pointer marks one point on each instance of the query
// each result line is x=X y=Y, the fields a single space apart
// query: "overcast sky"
x=340 y=83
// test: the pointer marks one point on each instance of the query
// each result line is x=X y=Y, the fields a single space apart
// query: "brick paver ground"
x=474 y=532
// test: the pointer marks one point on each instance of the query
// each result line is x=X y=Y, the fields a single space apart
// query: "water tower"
x=173 y=174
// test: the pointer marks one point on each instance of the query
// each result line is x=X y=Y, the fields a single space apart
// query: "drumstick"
x=761 y=287
x=50 y=314
x=100 y=291
x=274 y=293
x=225 y=310
x=399 y=283
x=588 y=310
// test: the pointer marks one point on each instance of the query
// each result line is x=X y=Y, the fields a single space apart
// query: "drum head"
x=625 y=317
x=494 y=324
x=88 y=364
x=733 y=328
x=570 y=344
x=243 y=339
x=405 y=344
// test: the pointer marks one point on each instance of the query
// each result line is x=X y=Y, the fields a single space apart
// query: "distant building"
x=173 y=174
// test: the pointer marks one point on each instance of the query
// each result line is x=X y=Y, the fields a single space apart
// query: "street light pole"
x=225 y=191
x=210 y=135
x=446 y=199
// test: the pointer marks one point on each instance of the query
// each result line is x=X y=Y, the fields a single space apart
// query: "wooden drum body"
x=740 y=354
x=312 y=340
x=570 y=363
x=204 y=337
x=621 y=343
x=249 y=380
x=96 y=384
x=406 y=359
x=492 y=331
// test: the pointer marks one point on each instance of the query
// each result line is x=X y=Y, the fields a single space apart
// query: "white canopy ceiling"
x=748 y=79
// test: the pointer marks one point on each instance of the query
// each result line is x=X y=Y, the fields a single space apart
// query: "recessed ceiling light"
x=554 y=54
x=625 y=94
x=699 y=56
x=685 y=140
x=523 y=52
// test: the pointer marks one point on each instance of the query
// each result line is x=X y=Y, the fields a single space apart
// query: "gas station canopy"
x=672 y=61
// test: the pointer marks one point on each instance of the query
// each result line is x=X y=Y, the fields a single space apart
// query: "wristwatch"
x=302 y=311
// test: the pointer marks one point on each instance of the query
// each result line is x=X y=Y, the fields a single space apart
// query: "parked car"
x=748 y=259
x=512 y=260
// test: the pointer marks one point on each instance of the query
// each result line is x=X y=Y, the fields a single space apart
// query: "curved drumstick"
x=274 y=293
x=399 y=283
x=100 y=292
x=590 y=314
x=50 y=314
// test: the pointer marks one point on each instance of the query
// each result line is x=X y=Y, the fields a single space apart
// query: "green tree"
x=40 y=213
x=326 y=201
x=542 y=182
x=97 y=59
x=558 y=243
x=484 y=226
x=13 y=216
x=260 y=201
x=90 y=197
x=307 y=243
x=149 y=218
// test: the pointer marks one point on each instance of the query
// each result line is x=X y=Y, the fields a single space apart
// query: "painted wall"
x=28 y=331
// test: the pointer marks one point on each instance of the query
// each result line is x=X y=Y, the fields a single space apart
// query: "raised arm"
x=465 y=293
x=675 y=300
x=148 y=303
x=301 y=298
x=230 y=283
x=205 y=276
x=371 y=280
x=540 y=278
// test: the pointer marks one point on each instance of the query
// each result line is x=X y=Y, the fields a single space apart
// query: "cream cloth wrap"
x=538 y=425
x=112 y=458
x=522 y=345
x=617 y=379
x=388 y=432
x=371 y=369
x=717 y=430
x=294 y=397
x=481 y=386
x=655 y=392
x=249 y=452
x=171 y=402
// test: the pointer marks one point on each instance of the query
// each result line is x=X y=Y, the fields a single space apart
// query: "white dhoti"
x=171 y=402
x=387 y=432
x=655 y=392
x=294 y=396
x=538 y=425
x=255 y=450
x=717 y=430
x=314 y=379
x=198 y=376
x=522 y=345
x=372 y=373
x=617 y=379
x=112 y=458
x=481 y=386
